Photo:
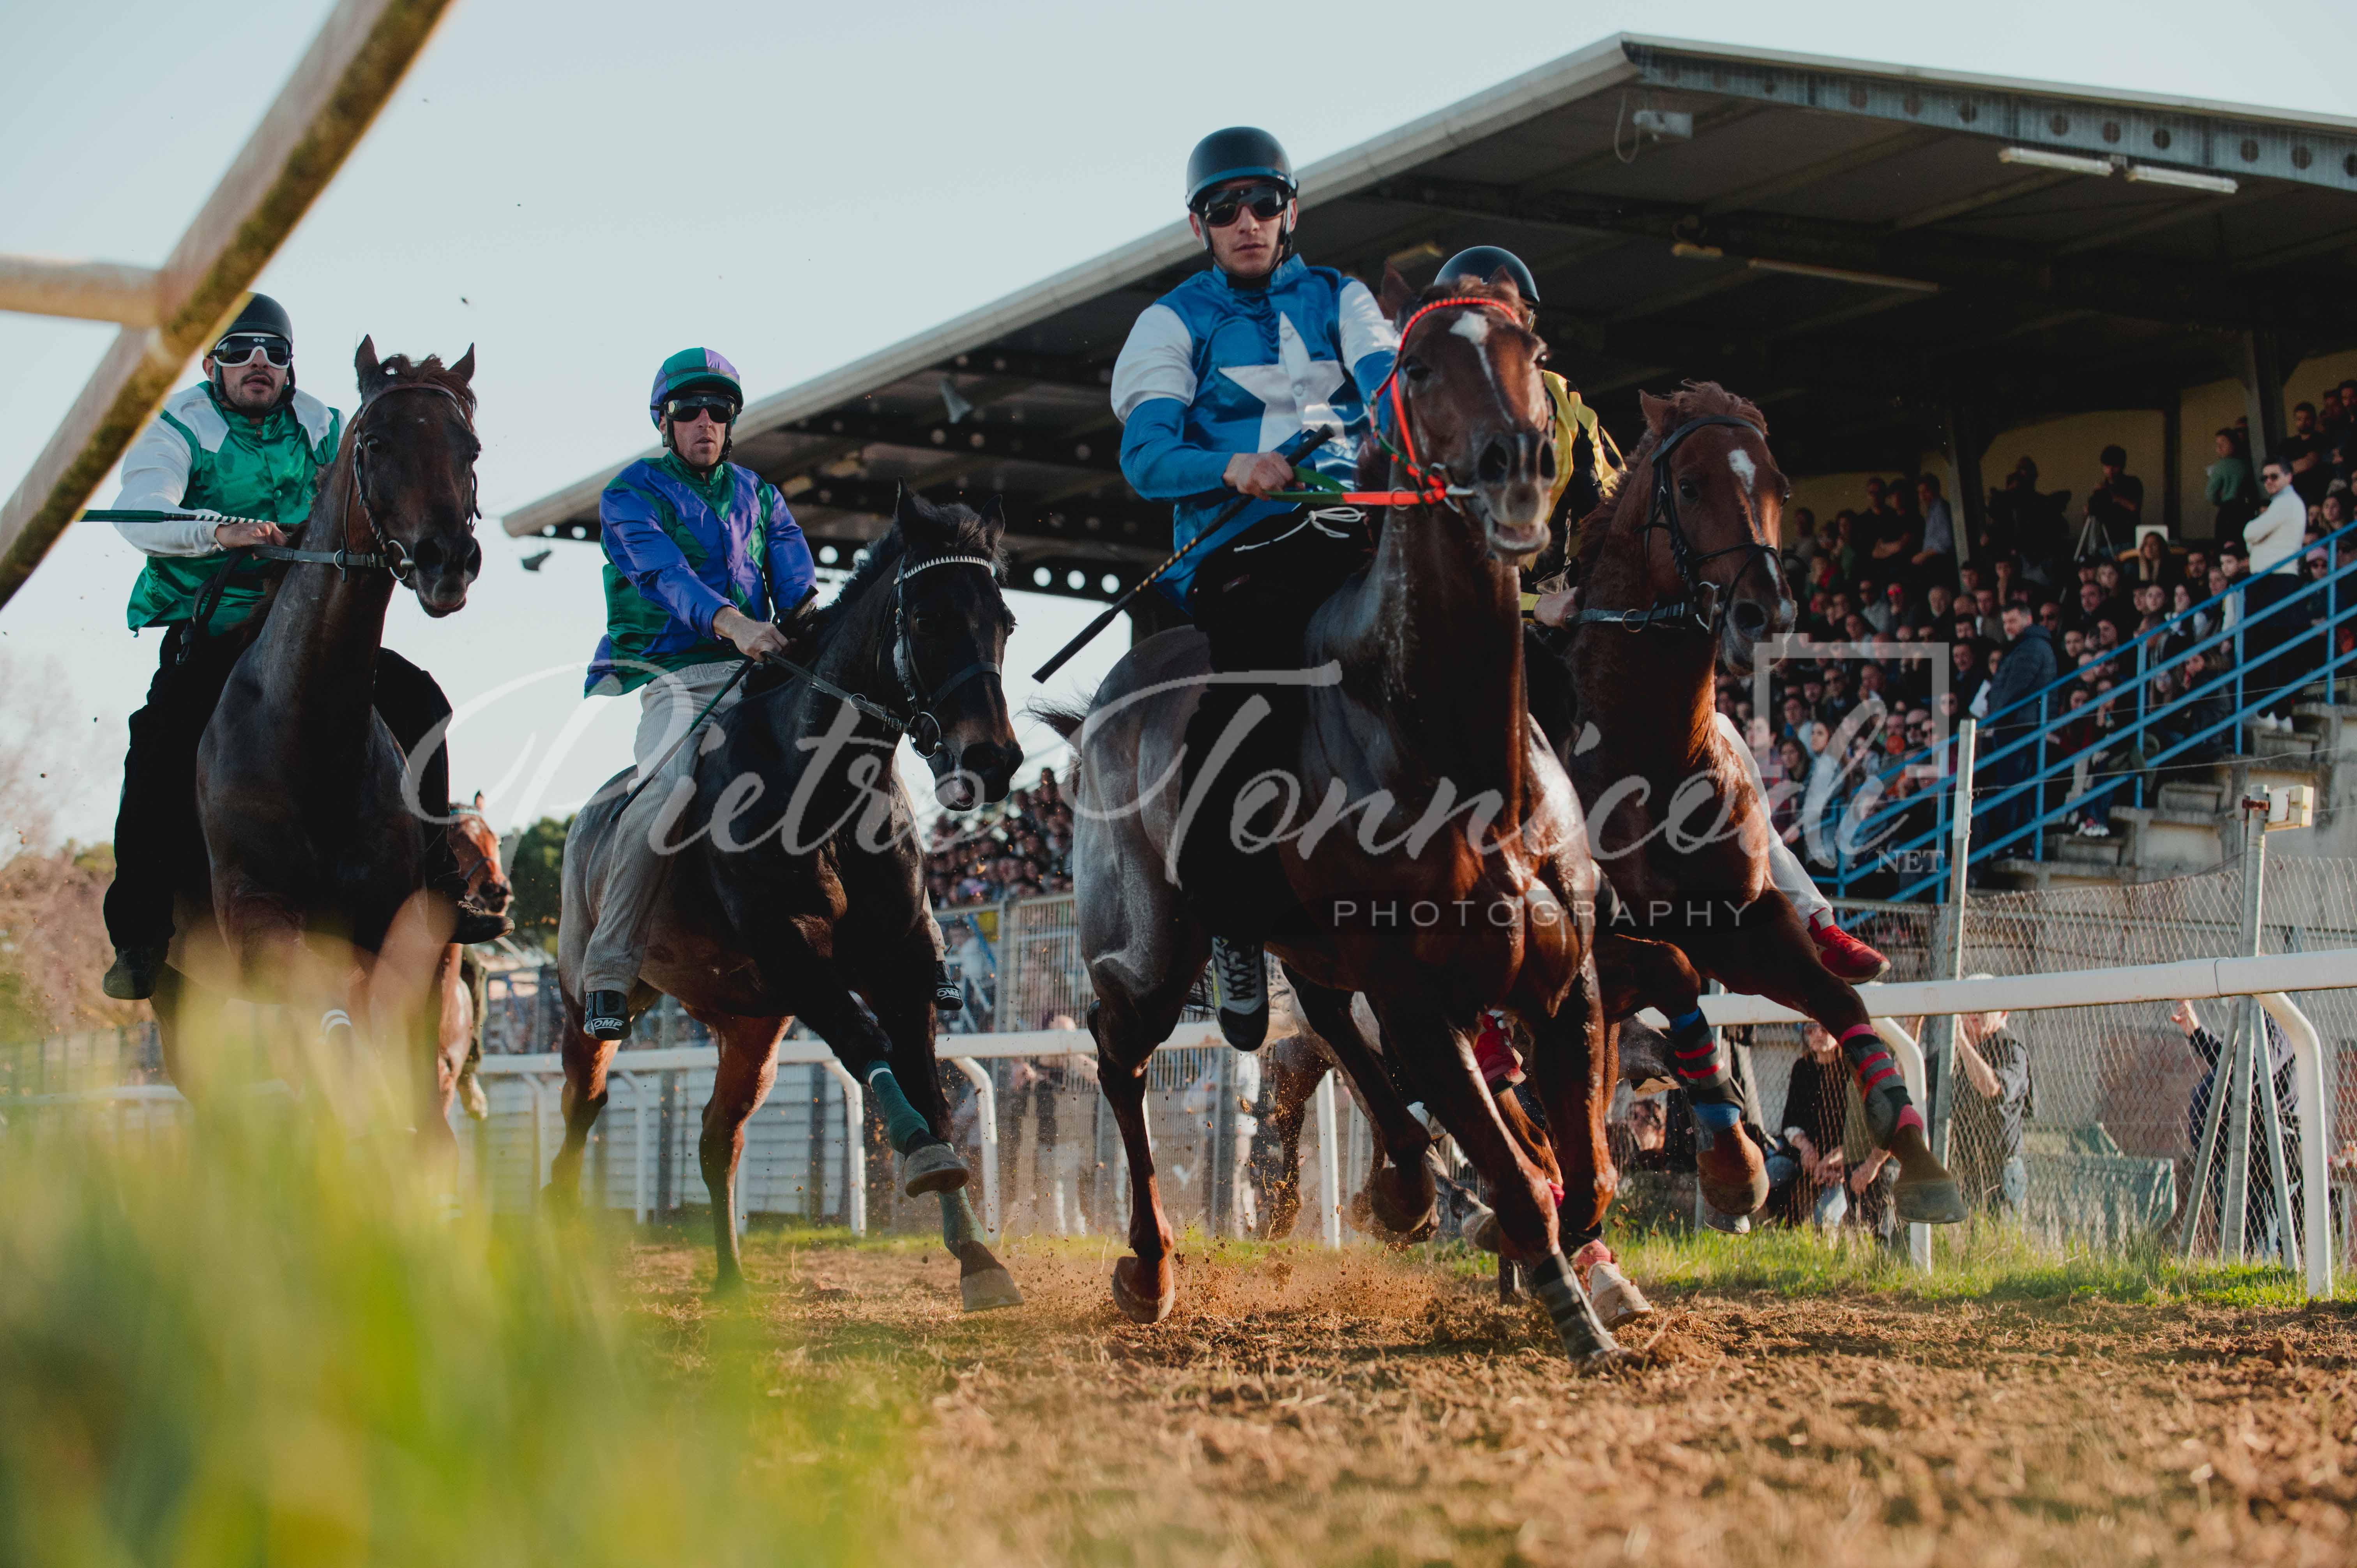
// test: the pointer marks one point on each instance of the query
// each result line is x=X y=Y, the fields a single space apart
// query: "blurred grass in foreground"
x=251 y=1348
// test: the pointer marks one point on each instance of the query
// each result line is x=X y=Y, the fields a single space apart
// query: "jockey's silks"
x=1211 y=369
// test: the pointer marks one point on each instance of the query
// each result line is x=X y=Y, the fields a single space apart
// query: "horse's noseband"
x=923 y=729
x=1703 y=609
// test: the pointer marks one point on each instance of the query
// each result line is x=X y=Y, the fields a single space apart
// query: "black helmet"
x=1480 y=263
x=1240 y=152
x=260 y=314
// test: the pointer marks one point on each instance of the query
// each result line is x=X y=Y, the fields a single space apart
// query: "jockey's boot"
x=1726 y=1162
x=443 y=876
x=132 y=977
x=606 y=1015
x=1926 y=1193
x=1843 y=956
x=1240 y=987
x=949 y=995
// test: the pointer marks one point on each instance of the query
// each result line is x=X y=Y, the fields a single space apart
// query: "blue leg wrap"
x=1717 y=1118
x=960 y=1223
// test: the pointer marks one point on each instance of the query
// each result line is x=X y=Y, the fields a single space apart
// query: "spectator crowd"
x=1019 y=849
x=2041 y=591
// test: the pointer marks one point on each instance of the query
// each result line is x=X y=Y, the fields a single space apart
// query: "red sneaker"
x=1843 y=954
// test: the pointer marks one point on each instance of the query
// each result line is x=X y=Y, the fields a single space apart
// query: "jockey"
x=704 y=565
x=1216 y=375
x=244 y=444
x=1586 y=473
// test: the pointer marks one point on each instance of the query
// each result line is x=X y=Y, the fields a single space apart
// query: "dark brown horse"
x=801 y=891
x=1677 y=573
x=1418 y=723
x=315 y=893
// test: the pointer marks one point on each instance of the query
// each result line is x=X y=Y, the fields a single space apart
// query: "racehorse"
x=1411 y=713
x=760 y=924
x=315 y=892
x=1676 y=572
x=458 y=986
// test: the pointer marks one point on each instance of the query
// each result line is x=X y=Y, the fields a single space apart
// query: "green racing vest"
x=238 y=468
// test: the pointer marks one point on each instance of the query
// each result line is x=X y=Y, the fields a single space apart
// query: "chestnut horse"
x=314 y=897
x=1411 y=713
x=458 y=986
x=1676 y=572
x=812 y=910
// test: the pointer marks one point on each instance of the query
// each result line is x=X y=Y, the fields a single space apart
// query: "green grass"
x=262 y=1349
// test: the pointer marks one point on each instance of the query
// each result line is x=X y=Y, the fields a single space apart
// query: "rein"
x=1703 y=607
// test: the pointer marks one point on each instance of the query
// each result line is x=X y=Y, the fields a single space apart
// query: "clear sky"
x=580 y=189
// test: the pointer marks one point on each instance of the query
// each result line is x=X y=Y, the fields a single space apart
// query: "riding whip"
x=1292 y=451
x=339 y=559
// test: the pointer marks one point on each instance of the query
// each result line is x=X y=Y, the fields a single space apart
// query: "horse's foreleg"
x=1144 y=1286
x=749 y=1065
x=1574 y=1067
x=1636 y=971
x=1420 y=1033
x=1294 y=1068
x=586 y=1060
x=445 y=1048
x=1771 y=955
x=1401 y=1195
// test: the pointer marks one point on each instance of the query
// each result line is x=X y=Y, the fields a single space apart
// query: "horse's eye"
x=925 y=623
x=1415 y=370
x=1686 y=490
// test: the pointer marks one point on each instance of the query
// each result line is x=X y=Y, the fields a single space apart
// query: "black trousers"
x=158 y=844
x=1254 y=606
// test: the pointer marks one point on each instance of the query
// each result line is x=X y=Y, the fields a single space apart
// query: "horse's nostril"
x=1750 y=618
x=1495 y=464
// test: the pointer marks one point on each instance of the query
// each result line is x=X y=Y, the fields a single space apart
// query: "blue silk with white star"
x=1211 y=371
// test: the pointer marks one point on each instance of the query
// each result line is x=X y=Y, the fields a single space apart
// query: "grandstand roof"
x=1879 y=256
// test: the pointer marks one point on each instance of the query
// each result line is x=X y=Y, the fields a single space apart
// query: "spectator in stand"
x=2090 y=607
x=2274 y=538
x=2030 y=665
x=2232 y=493
x=1804 y=548
x=1967 y=667
x=2302 y=453
x=1885 y=613
x=1987 y=1137
x=1807 y=1167
x=1935 y=562
x=2114 y=506
x=1842 y=548
x=2154 y=562
x=1895 y=536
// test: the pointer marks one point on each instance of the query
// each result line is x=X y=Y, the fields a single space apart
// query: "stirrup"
x=606 y=1015
x=1240 y=985
x=949 y=995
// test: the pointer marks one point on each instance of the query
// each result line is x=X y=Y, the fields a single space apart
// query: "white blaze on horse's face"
x=1747 y=473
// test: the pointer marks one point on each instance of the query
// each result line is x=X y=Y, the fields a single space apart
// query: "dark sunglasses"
x=1264 y=201
x=684 y=410
x=240 y=349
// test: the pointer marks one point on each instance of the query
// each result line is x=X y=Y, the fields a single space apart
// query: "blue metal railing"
x=2026 y=736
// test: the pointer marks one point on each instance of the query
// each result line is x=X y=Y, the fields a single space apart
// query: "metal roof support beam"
x=998 y=441
x=361 y=53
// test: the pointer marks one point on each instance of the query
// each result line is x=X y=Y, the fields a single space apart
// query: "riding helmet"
x=1240 y=152
x=1480 y=263
x=260 y=314
x=689 y=370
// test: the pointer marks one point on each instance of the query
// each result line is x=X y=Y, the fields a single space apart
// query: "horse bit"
x=1703 y=609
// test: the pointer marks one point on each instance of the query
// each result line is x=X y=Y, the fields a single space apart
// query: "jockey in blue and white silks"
x=1216 y=376
x=1213 y=368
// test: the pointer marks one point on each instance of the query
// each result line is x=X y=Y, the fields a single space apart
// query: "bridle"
x=1703 y=609
x=922 y=728
x=1431 y=481
x=390 y=555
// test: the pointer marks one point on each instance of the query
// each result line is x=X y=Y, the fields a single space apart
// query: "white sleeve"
x=1158 y=361
x=1364 y=330
x=154 y=477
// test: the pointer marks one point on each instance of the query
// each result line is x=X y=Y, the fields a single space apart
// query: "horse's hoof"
x=1404 y=1202
x=1615 y=1297
x=931 y=1167
x=1135 y=1305
x=987 y=1290
x=472 y=1097
x=1483 y=1233
x=1936 y=1200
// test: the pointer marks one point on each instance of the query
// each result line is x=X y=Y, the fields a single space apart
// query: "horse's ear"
x=465 y=368
x=993 y=515
x=1657 y=410
x=915 y=517
x=1397 y=293
x=364 y=362
x=1505 y=279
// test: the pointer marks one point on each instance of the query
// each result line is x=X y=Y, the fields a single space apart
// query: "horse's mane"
x=1695 y=400
x=968 y=534
x=395 y=369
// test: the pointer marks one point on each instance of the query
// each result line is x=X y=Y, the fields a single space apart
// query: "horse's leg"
x=1771 y=955
x=903 y=1004
x=1292 y=1069
x=1144 y=1286
x=749 y=1065
x=1421 y=1033
x=1575 y=1069
x=446 y=1043
x=1401 y=1197
x=587 y=1061
x=1634 y=971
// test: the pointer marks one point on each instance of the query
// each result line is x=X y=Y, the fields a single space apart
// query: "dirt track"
x=1302 y=1406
